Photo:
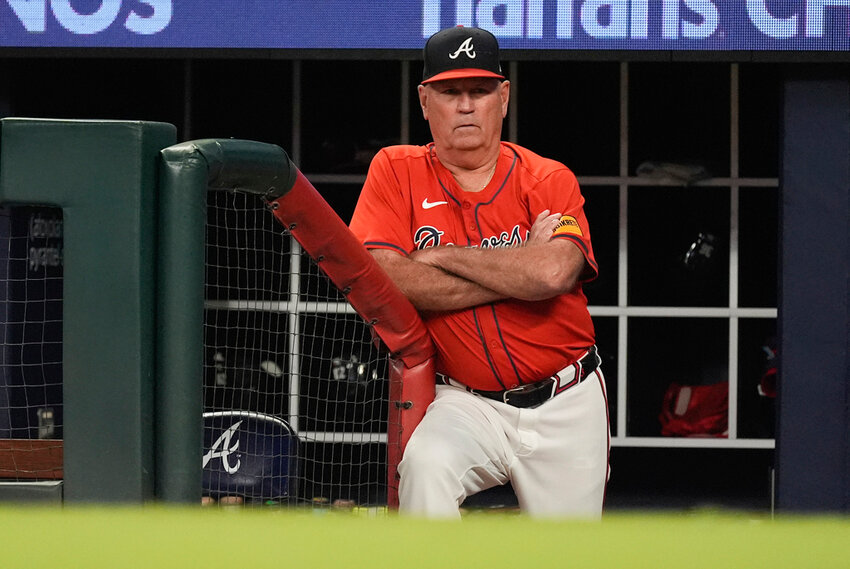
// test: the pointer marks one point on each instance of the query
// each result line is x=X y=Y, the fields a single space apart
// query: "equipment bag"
x=696 y=410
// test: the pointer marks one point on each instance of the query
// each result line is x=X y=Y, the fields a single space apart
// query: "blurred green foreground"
x=158 y=537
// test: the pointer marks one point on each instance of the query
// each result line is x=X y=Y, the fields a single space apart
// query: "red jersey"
x=410 y=201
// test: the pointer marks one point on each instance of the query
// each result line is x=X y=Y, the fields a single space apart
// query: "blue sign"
x=403 y=24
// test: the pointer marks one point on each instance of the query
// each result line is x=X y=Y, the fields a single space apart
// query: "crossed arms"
x=453 y=278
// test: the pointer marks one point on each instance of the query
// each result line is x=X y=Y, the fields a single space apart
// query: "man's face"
x=465 y=114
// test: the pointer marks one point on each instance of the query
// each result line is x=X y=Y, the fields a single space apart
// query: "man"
x=490 y=243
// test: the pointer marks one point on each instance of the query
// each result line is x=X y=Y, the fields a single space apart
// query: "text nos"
x=87 y=17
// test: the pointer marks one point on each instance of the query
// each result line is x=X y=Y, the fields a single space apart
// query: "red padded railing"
x=367 y=287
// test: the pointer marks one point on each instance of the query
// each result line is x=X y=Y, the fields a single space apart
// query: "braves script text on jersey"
x=410 y=201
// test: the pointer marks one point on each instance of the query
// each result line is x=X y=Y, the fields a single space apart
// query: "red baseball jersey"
x=410 y=201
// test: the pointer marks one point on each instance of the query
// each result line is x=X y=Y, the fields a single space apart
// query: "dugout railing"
x=134 y=214
x=255 y=168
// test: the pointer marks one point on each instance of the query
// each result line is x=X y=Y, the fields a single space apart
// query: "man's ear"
x=423 y=100
x=505 y=94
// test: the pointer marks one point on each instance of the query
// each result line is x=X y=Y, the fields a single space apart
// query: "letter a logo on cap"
x=443 y=50
x=466 y=47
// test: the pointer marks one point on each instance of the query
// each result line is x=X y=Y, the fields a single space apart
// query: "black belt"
x=535 y=394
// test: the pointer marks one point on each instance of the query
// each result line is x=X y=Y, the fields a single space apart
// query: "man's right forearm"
x=430 y=288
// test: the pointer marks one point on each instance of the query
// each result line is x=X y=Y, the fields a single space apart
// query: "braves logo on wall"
x=250 y=455
x=223 y=447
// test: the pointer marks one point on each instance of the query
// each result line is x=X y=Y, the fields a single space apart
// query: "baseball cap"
x=459 y=52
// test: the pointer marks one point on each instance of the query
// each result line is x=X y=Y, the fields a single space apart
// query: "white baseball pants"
x=554 y=455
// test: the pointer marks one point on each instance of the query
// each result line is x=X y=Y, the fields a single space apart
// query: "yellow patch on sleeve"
x=567 y=224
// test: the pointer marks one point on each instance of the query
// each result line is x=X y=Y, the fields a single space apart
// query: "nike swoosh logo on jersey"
x=428 y=205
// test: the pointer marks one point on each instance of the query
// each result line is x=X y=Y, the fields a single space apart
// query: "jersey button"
x=513 y=386
x=472 y=228
x=467 y=205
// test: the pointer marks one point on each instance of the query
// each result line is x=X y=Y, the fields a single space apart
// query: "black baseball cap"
x=459 y=52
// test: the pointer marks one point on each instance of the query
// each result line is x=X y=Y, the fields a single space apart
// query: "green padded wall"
x=103 y=174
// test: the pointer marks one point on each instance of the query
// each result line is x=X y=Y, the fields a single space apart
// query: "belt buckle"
x=508 y=392
x=528 y=388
